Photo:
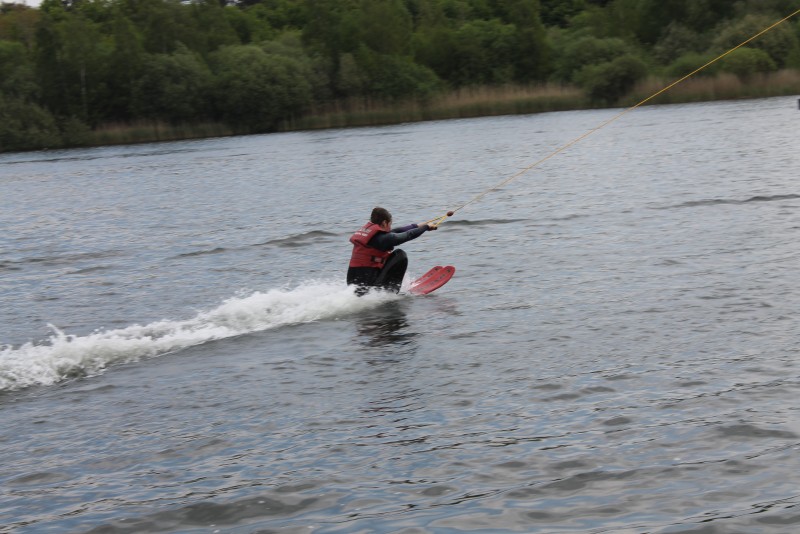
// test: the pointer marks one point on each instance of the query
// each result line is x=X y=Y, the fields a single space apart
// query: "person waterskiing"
x=374 y=262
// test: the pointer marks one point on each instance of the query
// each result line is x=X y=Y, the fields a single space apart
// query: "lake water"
x=617 y=352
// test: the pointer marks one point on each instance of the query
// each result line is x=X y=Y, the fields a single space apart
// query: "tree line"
x=72 y=65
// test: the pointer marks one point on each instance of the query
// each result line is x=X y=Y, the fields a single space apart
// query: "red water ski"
x=432 y=280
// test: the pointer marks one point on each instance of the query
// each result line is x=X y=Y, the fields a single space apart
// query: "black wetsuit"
x=390 y=276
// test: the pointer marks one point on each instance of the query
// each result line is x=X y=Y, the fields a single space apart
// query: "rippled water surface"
x=618 y=351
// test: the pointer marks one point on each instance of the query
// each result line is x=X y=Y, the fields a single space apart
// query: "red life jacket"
x=363 y=255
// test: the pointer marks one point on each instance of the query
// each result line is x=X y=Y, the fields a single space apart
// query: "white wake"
x=64 y=356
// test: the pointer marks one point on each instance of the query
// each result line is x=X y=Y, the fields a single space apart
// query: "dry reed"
x=721 y=87
x=461 y=103
x=150 y=131
x=467 y=102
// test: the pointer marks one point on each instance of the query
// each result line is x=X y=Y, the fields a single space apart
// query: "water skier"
x=374 y=262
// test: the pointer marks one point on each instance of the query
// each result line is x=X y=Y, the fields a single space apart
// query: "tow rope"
x=439 y=220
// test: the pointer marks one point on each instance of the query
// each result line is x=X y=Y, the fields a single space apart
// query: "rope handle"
x=439 y=220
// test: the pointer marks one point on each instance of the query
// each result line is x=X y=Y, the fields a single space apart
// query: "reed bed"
x=465 y=103
x=149 y=131
x=462 y=103
x=721 y=87
x=510 y=100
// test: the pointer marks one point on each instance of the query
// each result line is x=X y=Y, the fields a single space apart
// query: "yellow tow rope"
x=439 y=220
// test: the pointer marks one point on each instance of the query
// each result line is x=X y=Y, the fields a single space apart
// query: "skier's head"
x=380 y=216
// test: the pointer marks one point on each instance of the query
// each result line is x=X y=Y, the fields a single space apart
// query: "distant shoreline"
x=462 y=103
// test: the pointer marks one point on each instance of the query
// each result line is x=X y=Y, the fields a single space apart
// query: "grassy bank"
x=471 y=102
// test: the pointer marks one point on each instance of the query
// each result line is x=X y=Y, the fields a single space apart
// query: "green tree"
x=676 y=41
x=608 y=82
x=247 y=24
x=482 y=53
x=212 y=26
x=256 y=90
x=126 y=63
x=690 y=62
x=173 y=87
x=745 y=61
x=585 y=51
x=774 y=8
x=71 y=59
x=647 y=19
x=594 y=21
x=351 y=80
x=559 y=12
x=779 y=43
x=793 y=59
x=529 y=53
x=434 y=47
x=477 y=52
x=394 y=77
x=83 y=58
x=17 y=76
x=278 y=14
x=18 y=23
x=385 y=26
x=25 y=125
x=315 y=69
x=333 y=27
x=704 y=15
x=165 y=23
x=332 y=32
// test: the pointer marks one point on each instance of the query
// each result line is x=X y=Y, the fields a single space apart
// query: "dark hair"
x=380 y=215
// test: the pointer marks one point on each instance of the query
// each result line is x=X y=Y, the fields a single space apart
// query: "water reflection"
x=387 y=326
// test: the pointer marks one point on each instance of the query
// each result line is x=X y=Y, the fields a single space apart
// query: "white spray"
x=63 y=356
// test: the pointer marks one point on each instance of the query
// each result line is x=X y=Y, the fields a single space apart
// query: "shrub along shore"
x=98 y=72
x=465 y=103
